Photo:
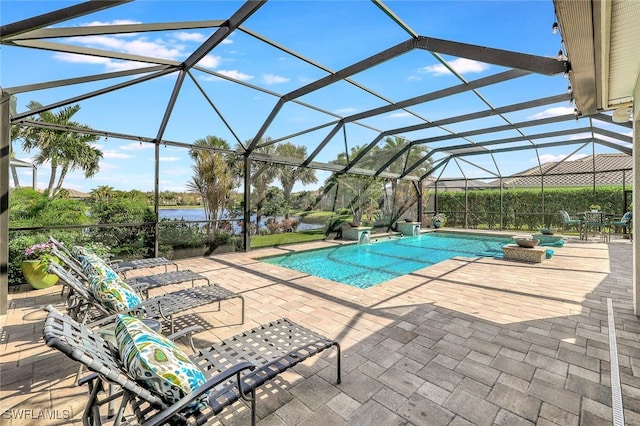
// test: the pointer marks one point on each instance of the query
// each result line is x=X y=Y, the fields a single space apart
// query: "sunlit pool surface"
x=365 y=265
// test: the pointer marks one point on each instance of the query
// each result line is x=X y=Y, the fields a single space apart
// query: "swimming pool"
x=365 y=265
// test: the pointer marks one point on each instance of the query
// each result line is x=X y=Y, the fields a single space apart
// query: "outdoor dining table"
x=598 y=220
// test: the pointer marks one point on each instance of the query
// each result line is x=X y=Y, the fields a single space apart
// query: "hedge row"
x=525 y=209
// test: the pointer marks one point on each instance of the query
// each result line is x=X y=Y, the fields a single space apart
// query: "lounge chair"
x=84 y=306
x=144 y=283
x=233 y=369
x=122 y=266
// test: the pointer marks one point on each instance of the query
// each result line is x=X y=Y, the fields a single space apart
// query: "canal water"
x=198 y=214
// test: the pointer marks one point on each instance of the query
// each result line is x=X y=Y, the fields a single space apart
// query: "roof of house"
x=460 y=184
x=611 y=169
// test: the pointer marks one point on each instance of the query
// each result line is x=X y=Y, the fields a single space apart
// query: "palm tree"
x=102 y=193
x=262 y=176
x=362 y=192
x=216 y=174
x=289 y=175
x=400 y=193
x=64 y=150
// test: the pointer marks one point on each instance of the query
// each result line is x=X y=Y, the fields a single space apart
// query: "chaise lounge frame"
x=122 y=266
x=83 y=306
x=143 y=283
x=235 y=368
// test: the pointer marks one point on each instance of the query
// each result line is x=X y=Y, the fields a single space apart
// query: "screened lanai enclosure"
x=271 y=111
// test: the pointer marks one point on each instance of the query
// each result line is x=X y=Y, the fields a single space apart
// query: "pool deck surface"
x=466 y=341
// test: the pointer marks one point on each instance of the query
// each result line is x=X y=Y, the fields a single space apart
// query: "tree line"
x=218 y=171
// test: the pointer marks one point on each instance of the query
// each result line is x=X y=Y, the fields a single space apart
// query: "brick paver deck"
x=466 y=341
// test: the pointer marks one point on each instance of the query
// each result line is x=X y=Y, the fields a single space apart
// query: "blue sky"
x=333 y=34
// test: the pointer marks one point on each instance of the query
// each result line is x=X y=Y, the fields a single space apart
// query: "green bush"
x=18 y=242
x=133 y=241
x=61 y=211
x=525 y=208
x=178 y=235
x=28 y=207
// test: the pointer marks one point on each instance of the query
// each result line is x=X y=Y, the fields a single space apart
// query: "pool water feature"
x=365 y=265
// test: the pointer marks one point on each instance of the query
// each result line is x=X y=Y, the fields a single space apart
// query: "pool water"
x=365 y=265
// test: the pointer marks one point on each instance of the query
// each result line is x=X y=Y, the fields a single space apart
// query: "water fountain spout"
x=365 y=238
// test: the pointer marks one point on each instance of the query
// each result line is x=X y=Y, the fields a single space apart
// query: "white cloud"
x=274 y=79
x=169 y=158
x=115 y=154
x=139 y=46
x=108 y=166
x=210 y=61
x=235 y=74
x=114 y=22
x=549 y=158
x=460 y=65
x=186 y=36
x=176 y=171
x=552 y=112
x=580 y=136
x=346 y=111
x=109 y=64
x=135 y=146
x=414 y=78
x=399 y=114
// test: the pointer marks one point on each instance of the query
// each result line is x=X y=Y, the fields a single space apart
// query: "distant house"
x=77 y=195
x=459 y=185
x=610 y=169
x=73 y=194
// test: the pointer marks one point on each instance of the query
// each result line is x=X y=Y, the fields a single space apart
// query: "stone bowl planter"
x=526 y=242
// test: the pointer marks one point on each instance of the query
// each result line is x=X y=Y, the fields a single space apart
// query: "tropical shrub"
x=525 y=208
x=178 y=234
x=18 y=242
x=32 y=208
x=136 y=238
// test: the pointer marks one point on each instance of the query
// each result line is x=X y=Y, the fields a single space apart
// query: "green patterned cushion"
x=113 y=293
x=79 y=251
x=93 y=265
x=156 y=362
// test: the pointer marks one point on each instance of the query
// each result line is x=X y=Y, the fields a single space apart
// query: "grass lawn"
x=258 y=241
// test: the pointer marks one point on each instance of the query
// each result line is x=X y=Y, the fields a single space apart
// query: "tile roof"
x=611 y=169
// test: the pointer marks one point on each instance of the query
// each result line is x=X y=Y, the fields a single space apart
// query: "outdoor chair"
x=624 y=222
x=143 y=283
x=568 y=222
x=596 y=221
x=83 y=304
x=227 y=371
x=122 y=266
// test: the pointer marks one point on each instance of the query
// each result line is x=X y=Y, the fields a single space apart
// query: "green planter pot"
x=35 y=275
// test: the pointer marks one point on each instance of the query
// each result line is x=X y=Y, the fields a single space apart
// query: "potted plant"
x=594 y=207
x=439 y=220
x=35 y=264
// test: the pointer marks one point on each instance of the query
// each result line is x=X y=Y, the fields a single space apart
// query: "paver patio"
x=466 y=341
